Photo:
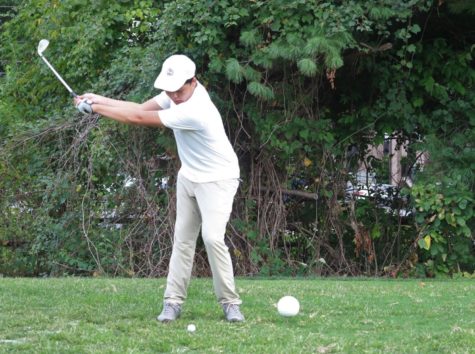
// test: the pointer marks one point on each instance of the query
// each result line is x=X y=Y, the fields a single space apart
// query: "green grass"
x=86 y=315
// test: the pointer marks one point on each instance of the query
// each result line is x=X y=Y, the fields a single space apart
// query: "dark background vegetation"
x=304 y=88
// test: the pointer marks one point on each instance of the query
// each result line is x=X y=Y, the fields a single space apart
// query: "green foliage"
x=234 y=71
x=300 y=85
x=444 y=197
x=437 y=104
x=307 y=67
x=461 y=6
x=261 y=91
x=446 y=213
x=250 y=38
x=66 y=178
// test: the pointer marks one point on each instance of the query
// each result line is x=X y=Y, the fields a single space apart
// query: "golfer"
x=207 y=180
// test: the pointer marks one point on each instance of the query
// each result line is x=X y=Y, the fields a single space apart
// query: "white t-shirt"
x=204 y=149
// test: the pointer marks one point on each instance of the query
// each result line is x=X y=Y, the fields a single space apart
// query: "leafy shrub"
x=299 y=85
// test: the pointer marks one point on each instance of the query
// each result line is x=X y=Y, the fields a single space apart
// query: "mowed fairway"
x=109 y=315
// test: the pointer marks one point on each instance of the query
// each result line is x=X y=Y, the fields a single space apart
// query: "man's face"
x=183 y=94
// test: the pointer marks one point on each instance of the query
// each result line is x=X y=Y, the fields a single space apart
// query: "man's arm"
x=150 y=105
x=130 y=114
x=145 y=114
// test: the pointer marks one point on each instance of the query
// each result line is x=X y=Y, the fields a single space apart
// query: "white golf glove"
x=85 y=106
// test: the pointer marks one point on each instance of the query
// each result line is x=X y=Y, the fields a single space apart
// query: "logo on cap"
x=170 y=72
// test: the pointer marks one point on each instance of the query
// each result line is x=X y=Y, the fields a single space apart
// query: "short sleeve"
x=163 y=100
x=180 y=117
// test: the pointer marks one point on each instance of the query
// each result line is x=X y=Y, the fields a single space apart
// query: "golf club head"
x=42 y=45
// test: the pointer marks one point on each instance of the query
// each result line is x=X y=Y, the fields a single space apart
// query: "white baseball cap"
x=175 y=71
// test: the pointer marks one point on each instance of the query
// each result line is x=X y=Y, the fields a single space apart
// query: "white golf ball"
x=191 y=328
x=288 y=306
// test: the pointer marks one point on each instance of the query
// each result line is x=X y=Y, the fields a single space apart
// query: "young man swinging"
x=207 y=180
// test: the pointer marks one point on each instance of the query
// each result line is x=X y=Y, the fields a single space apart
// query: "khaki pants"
x=206 y=206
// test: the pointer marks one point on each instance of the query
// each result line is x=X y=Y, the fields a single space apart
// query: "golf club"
x=42 y=45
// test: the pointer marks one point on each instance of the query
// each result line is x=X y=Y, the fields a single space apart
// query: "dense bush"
x=303 y=88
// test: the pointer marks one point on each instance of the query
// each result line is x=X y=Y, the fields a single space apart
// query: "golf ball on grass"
x=191 y=328
x=288 y=306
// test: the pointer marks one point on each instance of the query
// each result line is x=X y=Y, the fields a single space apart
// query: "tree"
x=304 y=88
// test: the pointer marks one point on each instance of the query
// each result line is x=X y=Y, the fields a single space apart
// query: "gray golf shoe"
x=232 y=313
x=170 y=312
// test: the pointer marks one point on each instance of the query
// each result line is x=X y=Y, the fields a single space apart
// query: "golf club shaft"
x=58 y=76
